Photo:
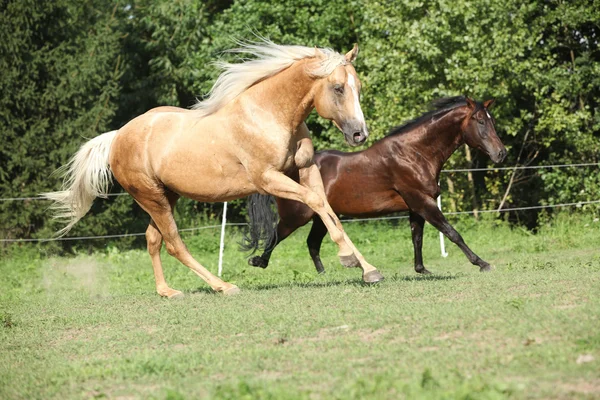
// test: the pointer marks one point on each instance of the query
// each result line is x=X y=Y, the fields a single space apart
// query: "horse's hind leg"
x=160 y=209
x=154 y=240
x=314 y=241
x=262 y=261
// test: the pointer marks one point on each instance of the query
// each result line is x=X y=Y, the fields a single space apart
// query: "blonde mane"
x=270 y=58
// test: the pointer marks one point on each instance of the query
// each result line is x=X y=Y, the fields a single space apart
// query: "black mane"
x=438 y=108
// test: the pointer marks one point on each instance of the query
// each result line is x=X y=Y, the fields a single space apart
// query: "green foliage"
x=525 y=54
x=61 y=67
x=72 y=70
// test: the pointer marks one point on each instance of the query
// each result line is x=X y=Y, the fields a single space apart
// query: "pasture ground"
x=92 y=326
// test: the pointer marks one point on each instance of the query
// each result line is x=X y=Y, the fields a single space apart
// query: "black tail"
x=262 y=226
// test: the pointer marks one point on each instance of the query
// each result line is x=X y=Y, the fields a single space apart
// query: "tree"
x=61 y=66
x=73 y=70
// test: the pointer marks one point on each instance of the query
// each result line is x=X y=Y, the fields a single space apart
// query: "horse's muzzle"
x=498 y=156
x=356 y=137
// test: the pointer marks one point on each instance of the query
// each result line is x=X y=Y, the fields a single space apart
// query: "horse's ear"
x=351 y=55
x=470 y=102
x=488 y=103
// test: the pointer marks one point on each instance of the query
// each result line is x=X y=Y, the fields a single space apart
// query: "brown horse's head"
x=337 y=99
x=479 y=131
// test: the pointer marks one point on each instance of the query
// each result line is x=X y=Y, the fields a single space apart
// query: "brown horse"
x=237 y=142
x=398 y=173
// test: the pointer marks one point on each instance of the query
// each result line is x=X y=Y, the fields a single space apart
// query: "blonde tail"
x=86 y=176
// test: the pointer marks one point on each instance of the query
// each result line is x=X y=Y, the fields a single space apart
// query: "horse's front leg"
x=310 y=177
x=417 y=224
x=427 y=208
x=279 y=185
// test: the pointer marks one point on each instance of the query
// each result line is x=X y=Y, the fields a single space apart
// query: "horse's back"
x=140 y=142
x=168 y=109
x=159 y=122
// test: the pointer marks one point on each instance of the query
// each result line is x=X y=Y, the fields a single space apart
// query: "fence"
x=224 y=222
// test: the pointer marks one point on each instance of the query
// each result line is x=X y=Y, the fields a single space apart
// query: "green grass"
x=92 y=326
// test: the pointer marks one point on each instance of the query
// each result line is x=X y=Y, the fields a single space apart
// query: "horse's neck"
x=287 y=96
x=436 y=140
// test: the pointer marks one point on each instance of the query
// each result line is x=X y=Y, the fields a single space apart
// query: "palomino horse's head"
x=479 y=131
x=337 y=99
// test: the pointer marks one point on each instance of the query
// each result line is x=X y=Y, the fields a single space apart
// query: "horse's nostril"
x=358 y=137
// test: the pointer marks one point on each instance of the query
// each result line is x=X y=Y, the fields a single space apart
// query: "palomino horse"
x=398 y=173
x=237 y=142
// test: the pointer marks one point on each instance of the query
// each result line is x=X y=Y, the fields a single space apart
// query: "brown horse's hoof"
x=232 y=291
x=257 y=261
x=350 y=261
x=422 y=270
x=373 y=277
x=485 y=268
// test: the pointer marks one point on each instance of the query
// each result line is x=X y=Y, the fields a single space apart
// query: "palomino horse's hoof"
x=176 y=295
x=485 y=268
x=349 y=261
x=232 y=291
x=171 y=293
x=257 y=261
x=372 y=277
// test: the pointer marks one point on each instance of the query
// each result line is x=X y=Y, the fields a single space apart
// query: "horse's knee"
x=153 y=240
x=337 y=235
x=314 y=201
x=175 y=249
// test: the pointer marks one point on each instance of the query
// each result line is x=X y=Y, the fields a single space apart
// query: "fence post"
x=442 y=244
x=222 y=245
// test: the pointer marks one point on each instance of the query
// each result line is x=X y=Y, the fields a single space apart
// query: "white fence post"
x=222 y=238
x=442 y=244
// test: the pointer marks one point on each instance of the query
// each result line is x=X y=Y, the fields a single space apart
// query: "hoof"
x=232 y=291
x=423 y=271
x=349 y=261
x=485 y=268
x=372 y=277
x=257 y=261
x=319 y=267
x=176 y=295
x=171 y=294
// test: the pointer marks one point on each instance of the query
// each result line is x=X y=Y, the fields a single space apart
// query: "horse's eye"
x=339 y=89
x=481 y=122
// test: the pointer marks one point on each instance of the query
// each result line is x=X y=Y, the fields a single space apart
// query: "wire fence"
x=124 y=235
x=345 y=220
x=597 y=164
x=43 y=198
x=522 y=167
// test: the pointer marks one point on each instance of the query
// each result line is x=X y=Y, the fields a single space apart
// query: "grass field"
x=92 y=326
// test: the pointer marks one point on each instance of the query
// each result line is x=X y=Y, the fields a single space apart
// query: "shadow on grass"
x=355 y=282
x=290 y=284
x=417 y=278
